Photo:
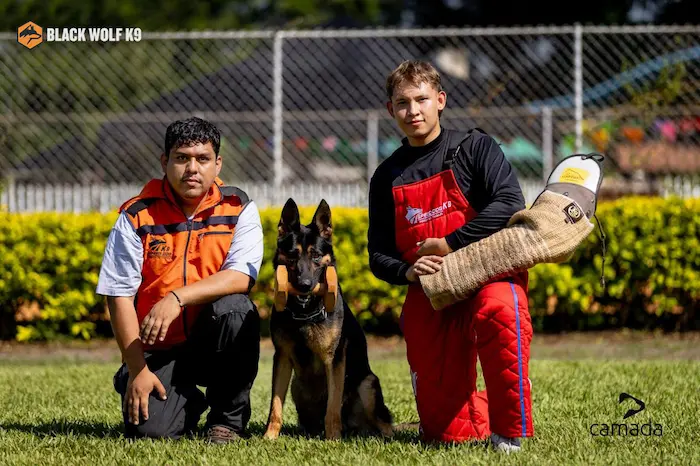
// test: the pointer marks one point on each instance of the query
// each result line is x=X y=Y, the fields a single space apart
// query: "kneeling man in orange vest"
x=177 y=269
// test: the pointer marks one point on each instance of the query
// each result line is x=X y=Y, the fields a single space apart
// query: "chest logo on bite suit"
x=416 y=215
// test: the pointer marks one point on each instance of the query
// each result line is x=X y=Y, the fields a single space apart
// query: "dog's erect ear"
x=289 y=221
x=322 y=220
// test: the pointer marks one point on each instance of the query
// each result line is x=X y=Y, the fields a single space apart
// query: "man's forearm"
x=125 y=326
x=389 y=269
x=214 y=287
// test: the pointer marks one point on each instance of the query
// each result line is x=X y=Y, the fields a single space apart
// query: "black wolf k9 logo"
x=159 y=248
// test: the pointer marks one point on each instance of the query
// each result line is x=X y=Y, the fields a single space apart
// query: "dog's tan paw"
x=386 y=430
x=271 y=434
x=333 y=429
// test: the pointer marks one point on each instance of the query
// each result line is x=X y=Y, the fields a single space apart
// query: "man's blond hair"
x=414 y=72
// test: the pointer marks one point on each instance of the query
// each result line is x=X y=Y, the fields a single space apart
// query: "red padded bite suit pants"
x=442 y=346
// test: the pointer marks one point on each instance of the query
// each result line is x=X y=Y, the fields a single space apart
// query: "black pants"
x=221 y=353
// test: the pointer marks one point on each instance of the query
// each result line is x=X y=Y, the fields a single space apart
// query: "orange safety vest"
x=178 y=251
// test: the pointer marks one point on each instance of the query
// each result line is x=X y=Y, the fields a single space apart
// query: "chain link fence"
x=302 y=113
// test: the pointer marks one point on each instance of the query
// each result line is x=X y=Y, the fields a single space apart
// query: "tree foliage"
x=183 y=15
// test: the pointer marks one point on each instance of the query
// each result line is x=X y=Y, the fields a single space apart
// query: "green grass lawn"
x=57 y=411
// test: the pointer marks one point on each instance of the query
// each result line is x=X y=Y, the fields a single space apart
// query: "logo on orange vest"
x=158 y=248
x=416 y=216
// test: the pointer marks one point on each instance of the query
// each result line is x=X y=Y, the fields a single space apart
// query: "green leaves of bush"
x=652 y=269
x=49 y=265
x=51 y=262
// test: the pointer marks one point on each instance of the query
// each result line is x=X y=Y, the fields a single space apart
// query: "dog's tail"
x=380 y=409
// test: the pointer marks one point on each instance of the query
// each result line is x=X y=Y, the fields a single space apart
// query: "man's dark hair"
x=190 y=132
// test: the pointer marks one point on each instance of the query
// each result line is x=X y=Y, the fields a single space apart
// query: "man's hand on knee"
x=138 y=389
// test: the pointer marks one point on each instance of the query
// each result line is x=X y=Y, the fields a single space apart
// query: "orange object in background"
x=600 y=139
x=633 y=134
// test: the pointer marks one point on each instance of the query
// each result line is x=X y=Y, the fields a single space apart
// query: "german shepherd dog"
x=334 y=389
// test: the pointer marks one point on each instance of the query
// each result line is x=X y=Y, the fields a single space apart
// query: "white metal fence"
x=302 y=112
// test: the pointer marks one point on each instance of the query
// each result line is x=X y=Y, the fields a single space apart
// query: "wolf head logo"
x=153 y=245
x=412 y=214
x=30 y=35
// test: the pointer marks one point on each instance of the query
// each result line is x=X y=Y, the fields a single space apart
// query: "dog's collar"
x=318 y=316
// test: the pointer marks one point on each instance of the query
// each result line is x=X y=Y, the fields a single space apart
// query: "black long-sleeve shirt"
x=486 y=178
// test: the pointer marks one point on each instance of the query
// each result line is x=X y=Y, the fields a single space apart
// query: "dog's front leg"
x=281 y=375
x=335 y=375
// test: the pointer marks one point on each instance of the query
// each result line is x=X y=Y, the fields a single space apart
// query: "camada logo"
x=647 y=429
x=30 y=35
x=640 y=405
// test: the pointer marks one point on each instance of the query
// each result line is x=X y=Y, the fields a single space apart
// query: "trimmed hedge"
x=49 y=264
x=652 y=271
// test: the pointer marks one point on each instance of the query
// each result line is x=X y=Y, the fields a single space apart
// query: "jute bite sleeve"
x=549 y=231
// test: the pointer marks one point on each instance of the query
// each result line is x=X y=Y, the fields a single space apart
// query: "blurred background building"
x=297 y=89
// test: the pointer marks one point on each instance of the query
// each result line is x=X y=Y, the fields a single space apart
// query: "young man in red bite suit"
x=440 y=191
